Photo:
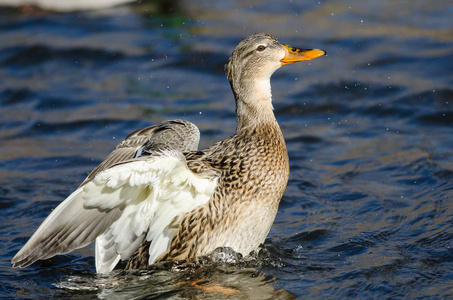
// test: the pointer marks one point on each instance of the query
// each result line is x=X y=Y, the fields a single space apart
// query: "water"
x=367 y=212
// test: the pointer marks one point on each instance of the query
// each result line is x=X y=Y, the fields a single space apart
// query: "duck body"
x=157 y=198
x=253 y=172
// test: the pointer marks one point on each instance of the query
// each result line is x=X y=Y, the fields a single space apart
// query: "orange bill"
x=295 y=54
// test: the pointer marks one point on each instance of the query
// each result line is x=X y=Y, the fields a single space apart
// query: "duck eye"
x=260 y=48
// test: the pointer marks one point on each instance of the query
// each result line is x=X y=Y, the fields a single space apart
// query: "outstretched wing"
x=79 y=220
x=121 y=207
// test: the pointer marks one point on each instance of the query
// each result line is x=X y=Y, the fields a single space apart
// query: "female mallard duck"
x=155 y=197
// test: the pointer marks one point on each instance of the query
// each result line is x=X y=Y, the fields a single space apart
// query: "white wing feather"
x=119 y=208
x=153 y=192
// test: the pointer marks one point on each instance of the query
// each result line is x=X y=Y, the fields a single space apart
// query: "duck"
x=156 y=197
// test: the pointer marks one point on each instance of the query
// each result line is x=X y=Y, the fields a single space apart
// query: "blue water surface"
x=368 y=208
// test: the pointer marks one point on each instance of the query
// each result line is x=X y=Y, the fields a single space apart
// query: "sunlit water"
x=367 y=212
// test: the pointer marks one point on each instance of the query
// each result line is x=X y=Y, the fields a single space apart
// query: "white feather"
x=120 y=208
x=153 y=192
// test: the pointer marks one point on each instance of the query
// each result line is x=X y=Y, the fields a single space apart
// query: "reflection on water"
x=367 y=211
x=222 y=275
x=208 y=283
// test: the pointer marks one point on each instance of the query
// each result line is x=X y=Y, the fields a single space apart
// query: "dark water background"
x=368 y=208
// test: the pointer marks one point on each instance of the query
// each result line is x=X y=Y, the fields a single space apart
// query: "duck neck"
x=253 y=102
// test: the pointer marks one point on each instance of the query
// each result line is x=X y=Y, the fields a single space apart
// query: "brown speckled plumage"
x=224 y=196
x=254 y=171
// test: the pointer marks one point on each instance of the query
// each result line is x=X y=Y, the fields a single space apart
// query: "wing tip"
x=21 y=262
x=26 y=256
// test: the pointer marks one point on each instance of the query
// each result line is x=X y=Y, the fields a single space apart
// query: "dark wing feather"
x=178 y=134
